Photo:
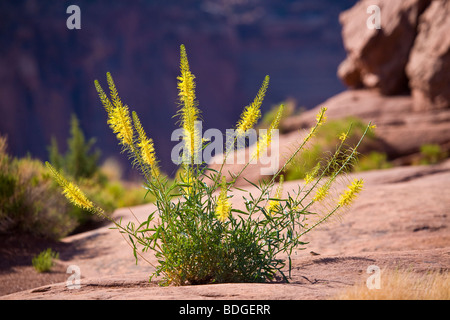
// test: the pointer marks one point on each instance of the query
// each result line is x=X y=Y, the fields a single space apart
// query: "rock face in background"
x=399 y=76
x=428 y=67
x=47 y=72
x=376 y=58
x=409 y=53
x=400 y=130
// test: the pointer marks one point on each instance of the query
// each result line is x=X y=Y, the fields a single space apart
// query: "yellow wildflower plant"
x=195 y=232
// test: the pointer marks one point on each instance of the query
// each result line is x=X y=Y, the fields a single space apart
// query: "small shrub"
x=195 y=232
x=373 y=161
x=432 y=154
x=44 y=261
x=29 y=202
x=79 y=161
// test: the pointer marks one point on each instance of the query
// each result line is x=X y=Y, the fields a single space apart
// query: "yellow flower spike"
x=322 y=192
x=71 y=191
x=113 y=91
x=223 y=206
x=120 y=122
x=310 y=176
x=320 y=120
x=189 y=112
x=343 y=136
x=321 y=117
x=186 y=84
x=146 y=146
x=278 y=193
x=103 y=97
x=349 y=195
x=118 y=114
x=266 y=138
x=252 y=113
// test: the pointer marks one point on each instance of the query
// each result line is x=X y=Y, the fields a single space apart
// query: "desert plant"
x=43 y=262
x=196 y=234
x=402 y=285
x=374 y=160
x=432 y=153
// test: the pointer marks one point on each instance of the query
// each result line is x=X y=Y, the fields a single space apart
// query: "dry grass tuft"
x=403 y=285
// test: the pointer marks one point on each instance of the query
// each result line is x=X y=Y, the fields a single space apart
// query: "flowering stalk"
x=189 y=112
x=266 y=138
x=147 y=149
x=223 y=206
x=252 y=113
x=349 y=195
x=73 y=193
x=278 y=193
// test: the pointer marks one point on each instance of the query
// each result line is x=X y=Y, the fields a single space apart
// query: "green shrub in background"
x=29 y=201
x=196 y=234
x=45 y=260
x=79 y=161
x=432 y=154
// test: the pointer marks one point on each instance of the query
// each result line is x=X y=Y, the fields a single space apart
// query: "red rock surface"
x=401 y=220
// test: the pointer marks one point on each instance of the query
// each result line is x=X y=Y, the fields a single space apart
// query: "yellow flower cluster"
x=266 y=138
x=71 y=191
x=343 y=136
x=118 y=114
x=349 y=195
x=278 y=193
x=322 y=192
x=146 y=146
x=310 y=176
x=321 y=117
x=189 y=112
x=223 y=206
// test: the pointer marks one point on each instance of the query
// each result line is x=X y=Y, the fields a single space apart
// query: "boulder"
x=428 y=68
x=376 y=58
x=401 y=132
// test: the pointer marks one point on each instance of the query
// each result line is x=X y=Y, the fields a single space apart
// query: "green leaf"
x=239 y=211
